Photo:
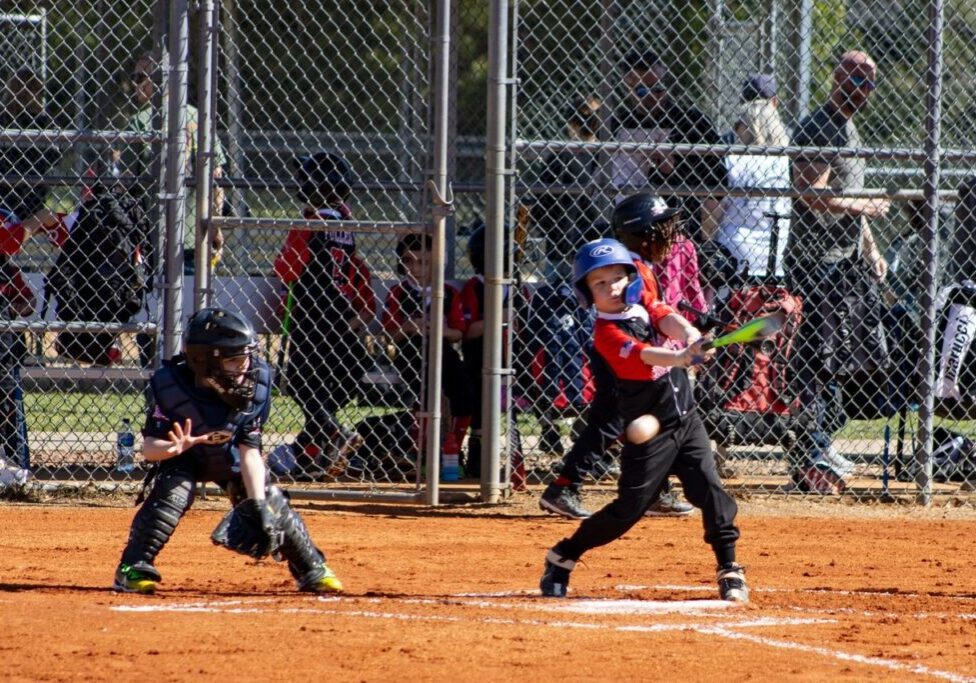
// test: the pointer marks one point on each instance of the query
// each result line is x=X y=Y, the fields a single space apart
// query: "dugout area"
x=840 y=592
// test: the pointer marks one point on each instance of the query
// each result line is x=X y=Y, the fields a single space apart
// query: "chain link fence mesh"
x=84 y=108
x=831 y=403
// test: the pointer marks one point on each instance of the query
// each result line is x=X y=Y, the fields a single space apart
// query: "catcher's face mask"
x=228 y=372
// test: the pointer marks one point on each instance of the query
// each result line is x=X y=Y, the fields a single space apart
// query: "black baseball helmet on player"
x=643 y=222
x=476 y=246
x=324 y=179
x=212 y=336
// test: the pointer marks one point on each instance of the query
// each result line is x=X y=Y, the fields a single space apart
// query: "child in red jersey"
x=405 y=318
x=651 y=380
x=332 y=302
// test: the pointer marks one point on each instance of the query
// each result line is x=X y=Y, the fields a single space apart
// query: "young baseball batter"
x=651 y=380
x=204 y=424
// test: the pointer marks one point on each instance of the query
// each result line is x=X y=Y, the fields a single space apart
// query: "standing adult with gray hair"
x=137 y=160
x=830 y=247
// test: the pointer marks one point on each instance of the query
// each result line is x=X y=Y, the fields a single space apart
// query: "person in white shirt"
x=755 y=229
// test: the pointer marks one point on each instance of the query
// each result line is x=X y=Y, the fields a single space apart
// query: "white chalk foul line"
x=328 y=607
x=730 y=631
x=829 y=591
x=837 y=654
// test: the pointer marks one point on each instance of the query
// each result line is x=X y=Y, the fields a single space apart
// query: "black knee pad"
x=170 y=498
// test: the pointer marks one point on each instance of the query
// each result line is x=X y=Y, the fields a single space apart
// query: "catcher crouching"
x=204 y=422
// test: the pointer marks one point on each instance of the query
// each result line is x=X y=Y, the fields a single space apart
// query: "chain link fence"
x=226 y=116
x=726 y=110
x=794 y=139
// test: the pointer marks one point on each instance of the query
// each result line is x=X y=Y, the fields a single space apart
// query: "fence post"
x=494 y=249
x=930 y=246
x=441 y=196
x=174 y=191
x=204 y=162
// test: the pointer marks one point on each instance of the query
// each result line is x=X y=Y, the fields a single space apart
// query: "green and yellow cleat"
x=141 y=577
x=321 y=580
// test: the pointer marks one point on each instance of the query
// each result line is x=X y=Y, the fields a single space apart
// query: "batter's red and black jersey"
x=331 y=283
x=619 y=339
x=406 y=301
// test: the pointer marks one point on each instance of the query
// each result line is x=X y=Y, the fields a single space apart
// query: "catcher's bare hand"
x=180 y=438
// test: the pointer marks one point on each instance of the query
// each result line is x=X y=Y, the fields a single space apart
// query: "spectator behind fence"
x=831 y=254
x=406 y=320
x=23 y=109
x=137 y=159
x=748 y=227
x=562 y=217
x=652 y=115
x=473 y=344
x=330 y=301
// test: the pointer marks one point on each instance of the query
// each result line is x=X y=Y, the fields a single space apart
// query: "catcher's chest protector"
x=180 y=400
x=746 y=394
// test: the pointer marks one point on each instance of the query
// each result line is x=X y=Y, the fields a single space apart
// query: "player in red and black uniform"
x=405 y=319
x=650 y=229
x=17 y=299
x=332 y=302
x=651 y=380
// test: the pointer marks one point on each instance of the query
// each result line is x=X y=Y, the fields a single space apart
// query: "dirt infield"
x=878 y=593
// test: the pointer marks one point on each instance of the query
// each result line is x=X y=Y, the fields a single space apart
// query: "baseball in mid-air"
x=643 y=429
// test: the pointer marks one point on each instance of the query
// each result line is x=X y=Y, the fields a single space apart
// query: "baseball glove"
x=249 y=529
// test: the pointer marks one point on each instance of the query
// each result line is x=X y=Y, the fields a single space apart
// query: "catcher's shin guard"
x=171 y=496
x=305 y=561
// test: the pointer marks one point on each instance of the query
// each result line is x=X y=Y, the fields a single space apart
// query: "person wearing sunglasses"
x=651 y=113
x=142 y=81
x=831 y=245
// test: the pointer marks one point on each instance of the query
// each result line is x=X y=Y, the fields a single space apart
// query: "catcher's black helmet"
x=212 y=335
x=324 y=179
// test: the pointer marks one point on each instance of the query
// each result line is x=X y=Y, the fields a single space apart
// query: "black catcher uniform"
x=232 y=413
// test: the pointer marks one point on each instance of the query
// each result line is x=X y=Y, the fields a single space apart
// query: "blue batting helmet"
x=600 y=253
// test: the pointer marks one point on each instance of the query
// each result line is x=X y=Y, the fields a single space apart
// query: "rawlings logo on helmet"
x=603 y=250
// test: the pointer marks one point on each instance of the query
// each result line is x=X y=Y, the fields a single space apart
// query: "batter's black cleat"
x=732 y=583
x=555 y=576
x=564 y=501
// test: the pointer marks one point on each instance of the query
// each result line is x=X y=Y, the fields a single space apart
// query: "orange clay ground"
x=839 y=592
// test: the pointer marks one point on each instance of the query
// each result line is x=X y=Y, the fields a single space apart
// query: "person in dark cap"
x=759 y=87
x=563 y=217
